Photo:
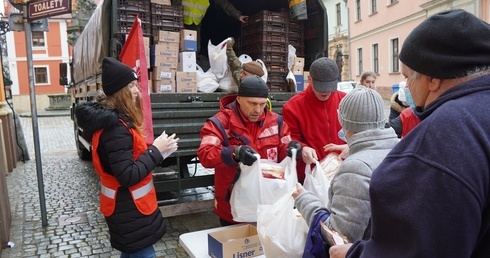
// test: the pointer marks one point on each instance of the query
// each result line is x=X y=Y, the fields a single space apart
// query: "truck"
x=182 y=187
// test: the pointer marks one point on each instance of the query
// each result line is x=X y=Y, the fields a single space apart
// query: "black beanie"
x=115 y=75
x=253 y=86
x=447 y=45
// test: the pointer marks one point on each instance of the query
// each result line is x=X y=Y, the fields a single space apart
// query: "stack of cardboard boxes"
x=173 y=62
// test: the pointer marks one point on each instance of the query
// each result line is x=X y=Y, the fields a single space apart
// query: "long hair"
x=364 y=75
x=122 y=101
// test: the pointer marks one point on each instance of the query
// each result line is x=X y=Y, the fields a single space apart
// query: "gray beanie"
x=362 y=109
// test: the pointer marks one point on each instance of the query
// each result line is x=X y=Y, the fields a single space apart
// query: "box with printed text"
x=240 y=241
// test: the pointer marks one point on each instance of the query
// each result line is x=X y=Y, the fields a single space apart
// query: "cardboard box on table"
x=187 y=62
x=188 y=40
x=241 y=241
x=186 y=82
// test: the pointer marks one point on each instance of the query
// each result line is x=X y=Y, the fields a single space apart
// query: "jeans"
x=147 y=252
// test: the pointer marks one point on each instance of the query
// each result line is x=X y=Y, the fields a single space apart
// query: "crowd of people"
x=425 y=195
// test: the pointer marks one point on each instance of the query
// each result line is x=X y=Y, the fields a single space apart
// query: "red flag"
x=133 y=54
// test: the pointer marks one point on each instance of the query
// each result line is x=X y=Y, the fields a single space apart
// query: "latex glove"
x=165 y=143
x=309 y=155
x=294 y=145
x=245 y=154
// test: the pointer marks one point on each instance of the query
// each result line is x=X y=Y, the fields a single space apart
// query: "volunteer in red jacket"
x=243 y=126
x=124 y=162
x=312 y=114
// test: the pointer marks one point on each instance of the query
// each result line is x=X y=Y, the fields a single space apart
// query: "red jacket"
x=262 y=136
x=313 y=123
x=409 y=121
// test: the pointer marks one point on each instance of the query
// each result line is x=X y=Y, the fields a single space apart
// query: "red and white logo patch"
x=272 y=154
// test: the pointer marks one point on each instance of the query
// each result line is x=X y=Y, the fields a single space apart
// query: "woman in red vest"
x=124 y=162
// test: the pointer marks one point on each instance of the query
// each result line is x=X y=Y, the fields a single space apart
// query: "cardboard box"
x=299 y=62
x=187 y=62
x=186 y=87
x=186 y=82
x=163 y=86
x=161 y=36
x=167 y=63
x=188 y=40
x=165 y=49
x=162 y=73
x=240 y=241
x=297 y=70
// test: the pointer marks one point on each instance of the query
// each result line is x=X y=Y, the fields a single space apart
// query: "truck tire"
x=82 y=152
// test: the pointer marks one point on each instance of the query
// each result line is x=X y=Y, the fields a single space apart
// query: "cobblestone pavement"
x=71 y=195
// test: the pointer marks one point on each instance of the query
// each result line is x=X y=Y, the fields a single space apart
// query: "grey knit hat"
x=362 y=109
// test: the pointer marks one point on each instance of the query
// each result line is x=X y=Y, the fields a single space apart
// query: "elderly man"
x=243 y=127
x=430 y=197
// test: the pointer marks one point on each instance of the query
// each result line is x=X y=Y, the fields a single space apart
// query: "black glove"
x=294 y=145
x=245 y=154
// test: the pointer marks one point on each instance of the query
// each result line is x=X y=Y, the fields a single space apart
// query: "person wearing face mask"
x=362 y=116
x=124 y=162
x=406 y=120
x=430 y=197
x=312 y=115
x=243 y=127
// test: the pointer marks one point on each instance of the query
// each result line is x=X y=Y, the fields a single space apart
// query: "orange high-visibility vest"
x=143 y=193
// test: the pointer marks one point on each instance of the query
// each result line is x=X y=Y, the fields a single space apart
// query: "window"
x=38 y=39
x=393 y=1
x=374 y=6
x=359 y=61
x=375 y=59
x=41 y=75
x=358 y=10
x=395 y=67
x=339 y=17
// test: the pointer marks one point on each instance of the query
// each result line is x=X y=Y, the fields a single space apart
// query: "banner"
x=133 y=54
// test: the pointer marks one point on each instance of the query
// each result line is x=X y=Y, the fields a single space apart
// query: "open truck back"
x=181 y=187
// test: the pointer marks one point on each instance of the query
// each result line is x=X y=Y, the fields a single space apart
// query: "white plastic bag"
x=282 y=231
x=218 y=59
x=317 y=182
x=252 y=189
x=206 y=81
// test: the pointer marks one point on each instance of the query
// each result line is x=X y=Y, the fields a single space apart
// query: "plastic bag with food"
x=264 y=182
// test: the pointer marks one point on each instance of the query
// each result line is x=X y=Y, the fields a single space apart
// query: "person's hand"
x=243 y=19
x=342 y=148
x=230 y=43
x=339 y=251
x=294 y=145
x=299 y=190
x=165 y=143
x=245 y=154
x=309 y=155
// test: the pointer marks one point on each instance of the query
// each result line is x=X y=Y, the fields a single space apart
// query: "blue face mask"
x=408 y=97
x=341 y=135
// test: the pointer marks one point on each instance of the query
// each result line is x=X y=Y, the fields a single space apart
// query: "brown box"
x=166 y=63
x=299 y=62
x=186 y=82
x=161 y=36
x=240 y=241
x=305 y=75
x=166 y=49
x=188 y=40
x=162 y=73
x=163 y=86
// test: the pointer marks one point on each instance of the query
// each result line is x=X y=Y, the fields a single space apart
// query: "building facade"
x=377 y=29
x=338 y=39
x=49 y=49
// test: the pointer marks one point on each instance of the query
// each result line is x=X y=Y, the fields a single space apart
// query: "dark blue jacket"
x=430 y=196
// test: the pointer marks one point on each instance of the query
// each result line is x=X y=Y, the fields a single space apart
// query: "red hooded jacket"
x=265 y=136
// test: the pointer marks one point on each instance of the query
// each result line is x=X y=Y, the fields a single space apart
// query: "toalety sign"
x=47 y=8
